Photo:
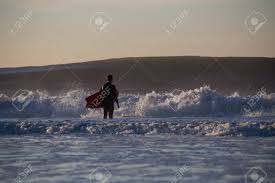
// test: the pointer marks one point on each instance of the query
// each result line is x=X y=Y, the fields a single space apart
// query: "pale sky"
x=64 y=31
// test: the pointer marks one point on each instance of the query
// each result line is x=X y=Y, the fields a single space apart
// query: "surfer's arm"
x=116 y=96
x=117 y=102
x=102 y=87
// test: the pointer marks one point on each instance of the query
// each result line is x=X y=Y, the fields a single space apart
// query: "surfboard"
x=95 y=100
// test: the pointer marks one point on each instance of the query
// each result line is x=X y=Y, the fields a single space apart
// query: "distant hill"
x=226 y=74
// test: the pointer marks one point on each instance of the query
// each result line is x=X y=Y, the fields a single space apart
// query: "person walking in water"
x=110 y=98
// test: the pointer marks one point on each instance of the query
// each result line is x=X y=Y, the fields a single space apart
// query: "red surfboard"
x=95 y=100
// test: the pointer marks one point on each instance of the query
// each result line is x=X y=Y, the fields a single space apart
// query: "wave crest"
x=201 y=102
x=143 y=127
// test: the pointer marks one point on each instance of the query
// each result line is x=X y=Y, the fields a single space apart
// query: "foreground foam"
x=140 y=127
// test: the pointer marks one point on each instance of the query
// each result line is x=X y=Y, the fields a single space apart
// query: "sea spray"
x=201 y=102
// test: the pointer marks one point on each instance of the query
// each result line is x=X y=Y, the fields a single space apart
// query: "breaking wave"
x=201 y=102
x=140 y=126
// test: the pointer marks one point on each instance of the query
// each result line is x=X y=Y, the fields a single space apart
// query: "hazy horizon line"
x=117 y=58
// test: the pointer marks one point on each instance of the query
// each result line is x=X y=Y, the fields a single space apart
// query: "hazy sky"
x=39 y=32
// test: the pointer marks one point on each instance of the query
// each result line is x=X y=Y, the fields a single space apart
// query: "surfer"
x=111 y=96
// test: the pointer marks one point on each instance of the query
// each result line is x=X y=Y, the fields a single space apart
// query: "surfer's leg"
x=111 y=111
x=111 y=114
x=105 y=112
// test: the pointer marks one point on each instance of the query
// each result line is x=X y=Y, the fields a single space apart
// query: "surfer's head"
x=110 y=77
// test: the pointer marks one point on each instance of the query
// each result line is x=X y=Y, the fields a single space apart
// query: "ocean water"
x=181 y=136
x=135 y=158
x=137 y=150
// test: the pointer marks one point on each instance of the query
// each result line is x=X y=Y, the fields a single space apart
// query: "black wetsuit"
x=110 y=97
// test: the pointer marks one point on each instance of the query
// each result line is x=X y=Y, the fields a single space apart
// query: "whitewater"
x=201 y=102
x=199 y=135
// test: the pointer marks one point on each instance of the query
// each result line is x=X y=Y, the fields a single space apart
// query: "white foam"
x=141 y=126
x=201 y=102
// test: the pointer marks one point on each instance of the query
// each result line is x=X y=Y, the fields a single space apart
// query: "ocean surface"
x=191 y=136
